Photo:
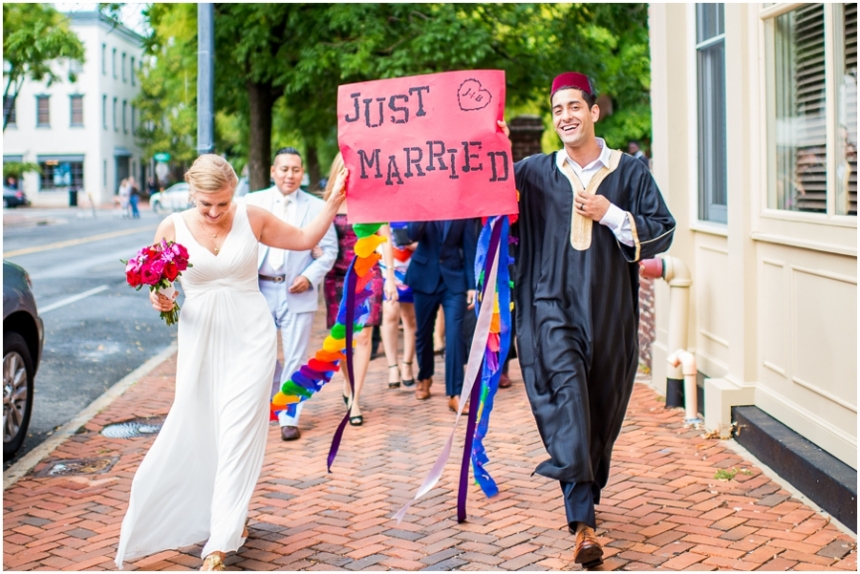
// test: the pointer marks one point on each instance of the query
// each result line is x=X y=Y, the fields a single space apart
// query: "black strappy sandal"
x=356 y=421
x=396 y=384
x=408 y=382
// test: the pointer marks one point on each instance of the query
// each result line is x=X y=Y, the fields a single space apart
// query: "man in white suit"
x=290 y=280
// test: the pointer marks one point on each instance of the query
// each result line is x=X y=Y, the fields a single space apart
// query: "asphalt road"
x=97 y=328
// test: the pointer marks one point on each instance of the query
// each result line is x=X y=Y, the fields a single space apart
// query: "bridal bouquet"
x=158 y=266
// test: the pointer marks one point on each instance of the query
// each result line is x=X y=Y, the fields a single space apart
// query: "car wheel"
x=156 y=206
x=6 y=203
x=17 y=392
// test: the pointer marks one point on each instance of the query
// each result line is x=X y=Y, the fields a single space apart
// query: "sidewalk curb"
x=772 y=474
x=35 y=456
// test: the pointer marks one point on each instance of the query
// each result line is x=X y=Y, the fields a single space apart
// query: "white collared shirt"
x=284 y=207
x=615 y=218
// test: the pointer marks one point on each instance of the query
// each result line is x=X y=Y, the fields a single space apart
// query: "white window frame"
x=767 y=17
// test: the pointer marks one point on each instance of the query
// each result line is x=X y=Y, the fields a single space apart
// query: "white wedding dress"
x=196 y=481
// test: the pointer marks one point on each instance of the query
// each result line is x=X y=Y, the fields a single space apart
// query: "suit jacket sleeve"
x=415 y=230
x=319 y=267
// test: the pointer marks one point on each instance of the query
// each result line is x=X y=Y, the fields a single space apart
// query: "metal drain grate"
x=79 y=466
x=134 y=428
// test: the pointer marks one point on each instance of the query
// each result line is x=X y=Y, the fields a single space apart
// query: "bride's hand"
x=160 y=302
x=338 y=193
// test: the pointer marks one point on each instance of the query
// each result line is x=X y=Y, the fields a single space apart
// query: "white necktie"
x=276 y=256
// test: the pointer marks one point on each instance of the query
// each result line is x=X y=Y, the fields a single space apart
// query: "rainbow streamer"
x=498 y=343
x=353 y=313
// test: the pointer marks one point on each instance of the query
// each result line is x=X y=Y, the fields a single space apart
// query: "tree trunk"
x=313 y=165
x=260 y=99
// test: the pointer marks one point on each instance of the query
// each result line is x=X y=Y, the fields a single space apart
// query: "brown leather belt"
x=278 y=279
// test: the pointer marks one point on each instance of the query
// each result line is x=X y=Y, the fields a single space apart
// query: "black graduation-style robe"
x=577 y=312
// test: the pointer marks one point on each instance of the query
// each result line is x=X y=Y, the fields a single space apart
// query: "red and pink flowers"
x=158 y=266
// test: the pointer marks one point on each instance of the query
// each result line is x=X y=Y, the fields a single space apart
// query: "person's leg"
x=454 y=305
x=407 y=315
x=579 y=507
x=426 y=305
x=439 y=333
x=295 y=337
x=390 y=323
x=360 y=362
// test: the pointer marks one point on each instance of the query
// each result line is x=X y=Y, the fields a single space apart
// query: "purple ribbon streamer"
x=475 y=396
x=350 y=283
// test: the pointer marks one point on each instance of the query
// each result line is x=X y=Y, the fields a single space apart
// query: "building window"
x=9 y=109
x=104 y=59
x=57 y=174
x=123 y=67
x=115 y=126
x=133 y=119
x=104 y=173
x=132 y=71
x=711 y=86
x=104 y=112
x=43 y=111
x=113 y=62
x=124 y=112
x=77 y=110
x=813 y=68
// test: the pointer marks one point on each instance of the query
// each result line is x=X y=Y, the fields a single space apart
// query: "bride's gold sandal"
x=213 y=563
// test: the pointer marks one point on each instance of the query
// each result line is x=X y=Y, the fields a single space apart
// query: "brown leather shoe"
x=290 y=433
x=588 y=550
x=422 y=389
x=454 y=405
x=504 y=382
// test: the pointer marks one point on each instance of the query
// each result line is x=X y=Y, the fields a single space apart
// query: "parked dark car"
x=13 y=197
x=23 y=336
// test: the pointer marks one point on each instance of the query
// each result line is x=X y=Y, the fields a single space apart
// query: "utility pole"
x=205 y=78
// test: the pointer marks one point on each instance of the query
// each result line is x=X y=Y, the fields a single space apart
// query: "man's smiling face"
x=573 y=121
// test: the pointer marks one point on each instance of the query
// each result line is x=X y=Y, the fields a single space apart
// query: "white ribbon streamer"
x=476 y=357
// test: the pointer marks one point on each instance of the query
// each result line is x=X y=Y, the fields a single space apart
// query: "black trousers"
x=579 y=501
x=454 y=308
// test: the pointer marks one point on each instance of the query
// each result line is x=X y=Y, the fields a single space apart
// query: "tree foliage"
x=168 y=86
x=278 y=66
x=34 y=37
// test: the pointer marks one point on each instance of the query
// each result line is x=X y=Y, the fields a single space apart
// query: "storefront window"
x=58 y=174
x=846 y=111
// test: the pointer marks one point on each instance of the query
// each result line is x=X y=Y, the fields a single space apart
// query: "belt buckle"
x=279 y=279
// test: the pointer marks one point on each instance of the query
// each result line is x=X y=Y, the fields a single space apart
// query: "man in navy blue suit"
x=442 y=272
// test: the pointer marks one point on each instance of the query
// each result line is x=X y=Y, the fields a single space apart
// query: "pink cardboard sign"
x=426 y=148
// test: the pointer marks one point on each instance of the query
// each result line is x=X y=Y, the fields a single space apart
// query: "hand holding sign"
x=421 y=148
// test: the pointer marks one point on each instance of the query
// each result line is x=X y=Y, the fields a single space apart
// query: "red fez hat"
x=572 y=80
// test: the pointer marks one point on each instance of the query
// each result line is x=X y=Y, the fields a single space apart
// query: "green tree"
x=34 y=37
x=168 y=85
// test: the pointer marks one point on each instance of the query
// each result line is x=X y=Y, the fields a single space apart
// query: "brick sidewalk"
x=663 y=508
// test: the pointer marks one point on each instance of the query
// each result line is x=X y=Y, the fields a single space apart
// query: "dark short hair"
x=590 y=99
x=634 y=142
x=287 y=150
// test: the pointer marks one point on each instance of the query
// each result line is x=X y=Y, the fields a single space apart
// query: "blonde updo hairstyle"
x=210 y=173
x=336 y=166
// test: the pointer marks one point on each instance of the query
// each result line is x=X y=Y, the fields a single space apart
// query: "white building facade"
x=82 y=133
x=755 y=148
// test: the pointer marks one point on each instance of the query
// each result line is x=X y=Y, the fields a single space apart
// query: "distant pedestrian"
x=124 y=194
x=634 y=149
x=134 y=197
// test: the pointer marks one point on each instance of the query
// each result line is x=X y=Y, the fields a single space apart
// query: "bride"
x=196 y=481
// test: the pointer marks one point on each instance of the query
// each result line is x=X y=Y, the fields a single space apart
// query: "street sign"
x=162 y=156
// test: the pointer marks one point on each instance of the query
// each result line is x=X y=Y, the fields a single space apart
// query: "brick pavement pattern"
x=663 y=509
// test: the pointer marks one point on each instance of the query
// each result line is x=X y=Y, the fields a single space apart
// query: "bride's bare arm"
x=273 y=232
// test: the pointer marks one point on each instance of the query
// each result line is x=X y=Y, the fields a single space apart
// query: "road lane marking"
x=72 y=299
x=71 y=242
x=28 y=461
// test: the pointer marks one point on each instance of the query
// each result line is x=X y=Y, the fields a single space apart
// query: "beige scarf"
x=580 y=226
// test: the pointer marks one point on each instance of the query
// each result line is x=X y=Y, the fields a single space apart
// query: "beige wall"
x=773 y=315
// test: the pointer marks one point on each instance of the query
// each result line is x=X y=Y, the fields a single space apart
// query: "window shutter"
x=851 y=103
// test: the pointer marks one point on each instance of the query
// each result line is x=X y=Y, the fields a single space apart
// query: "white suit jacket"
x=299 y=262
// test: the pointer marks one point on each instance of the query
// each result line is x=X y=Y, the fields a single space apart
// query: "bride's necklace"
x=217 y=246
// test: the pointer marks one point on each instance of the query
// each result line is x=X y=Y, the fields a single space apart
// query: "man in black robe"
x=588 y=215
